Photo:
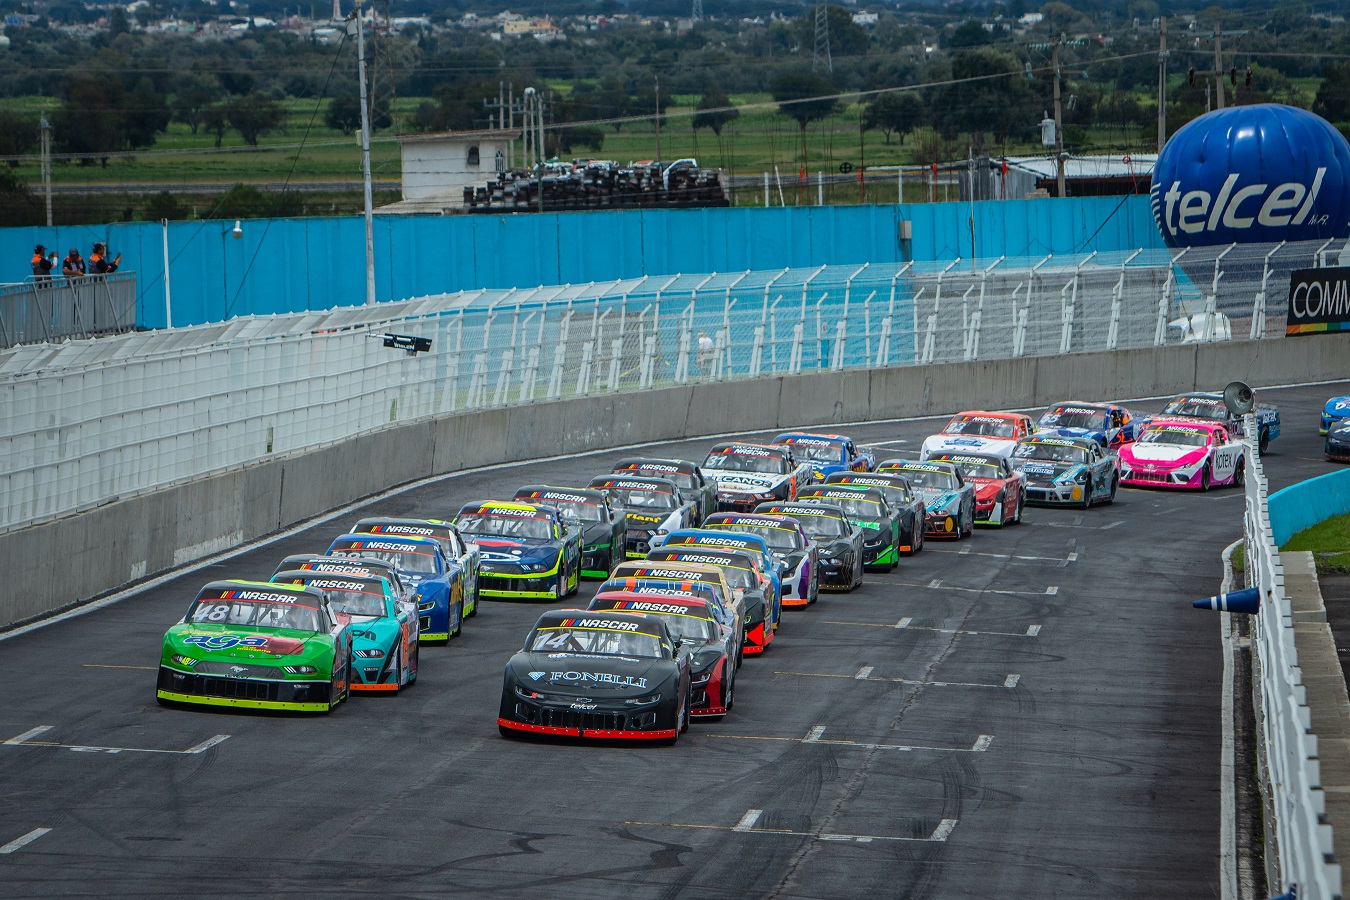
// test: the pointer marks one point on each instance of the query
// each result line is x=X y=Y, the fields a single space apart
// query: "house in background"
x=438 y=165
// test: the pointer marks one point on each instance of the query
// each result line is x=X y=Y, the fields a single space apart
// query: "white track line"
x=26 y=740
x=20 y=842
x=939 y=835
x=981 y=743
x=1009 y=681
x=904 y=625
x=748 y=820
x=30 y=733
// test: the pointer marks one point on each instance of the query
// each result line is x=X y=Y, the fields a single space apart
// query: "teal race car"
x=384 y=627
x=257 y=645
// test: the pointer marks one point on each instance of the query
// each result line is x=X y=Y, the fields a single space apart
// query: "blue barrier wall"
x=286 y=265
x=1303 y=505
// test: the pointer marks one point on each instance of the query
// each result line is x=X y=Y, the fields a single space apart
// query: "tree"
x=193 y=94
x=146 y=115
x=804 y=97
x=1333 y=96
x=164 y=205
x=612 y=101
x=253 y=114
x=90 y=120
x=18 y=134
x=591 y=137
x=715 y=110
x=215 y=121
x=970 y=34
x=899 y=112
x=344 y=114
x=999 y=102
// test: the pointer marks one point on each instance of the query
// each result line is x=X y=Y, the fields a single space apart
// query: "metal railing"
x=53 y=309
x=88 y=421
x=1287 y=756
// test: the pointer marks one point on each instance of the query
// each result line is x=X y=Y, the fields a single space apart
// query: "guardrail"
x=93 y=421
x=1287 y=756
x=53 y=309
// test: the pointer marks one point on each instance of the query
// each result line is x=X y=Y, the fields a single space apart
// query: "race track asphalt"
x=1030 y=713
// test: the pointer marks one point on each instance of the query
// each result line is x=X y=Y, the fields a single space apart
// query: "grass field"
x=1329 y=542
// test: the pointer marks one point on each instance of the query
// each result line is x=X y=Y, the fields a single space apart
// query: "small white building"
x=438 y=165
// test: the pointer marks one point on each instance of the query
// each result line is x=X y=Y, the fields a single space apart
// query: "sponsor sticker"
x=559 y=495
x=590 y=678
x=401 y=529
x=258 y=596
x=224 y=641
x=386 y=546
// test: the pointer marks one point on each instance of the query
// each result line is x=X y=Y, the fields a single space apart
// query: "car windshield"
x=971 y=470
x=932 y=480
x=981 y=425
x=1083 y=417
x=410 y=561
x=635 y=499
x=1051 y=452
x=557 y=639
x=1199 y=408
x=356 y=603
x=254 y=614
x=688 y=628
x=500 y=525
x=1176 y=436
x=823 y=526
x=752 y=461
x=826 y=453
x=784 y=540
x=854 y=507
x=573 y=511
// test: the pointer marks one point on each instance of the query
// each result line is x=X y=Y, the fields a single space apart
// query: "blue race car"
x=1336 y=409
x=827 y=453
x=1109 y=424
x=421 y=564
x=528 y=550
x=1210 y=407
x=708 y=537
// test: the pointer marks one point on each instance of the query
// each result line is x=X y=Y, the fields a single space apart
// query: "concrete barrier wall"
x=1303 y=505
x=70 y=560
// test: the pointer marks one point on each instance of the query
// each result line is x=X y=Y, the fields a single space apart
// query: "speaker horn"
x=1238 y=398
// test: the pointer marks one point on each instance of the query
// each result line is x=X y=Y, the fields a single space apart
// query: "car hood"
x=1175 y=454
x=747 y=482
x=502 y=550
x=935 y=500
x=649 y=519
x=967 y=443
x=1095 y=434
x=1337 y=408
x=1040 y=471
x=987 y=489
x=373 y=631
x=233 y=642
x=588 y=676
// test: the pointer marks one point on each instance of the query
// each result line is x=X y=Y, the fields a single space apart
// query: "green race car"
x=256 y=645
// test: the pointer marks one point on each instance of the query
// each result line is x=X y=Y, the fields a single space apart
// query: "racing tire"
x=509 y=733
x=1115 y=486
x=1263 y=440
x=1240 y=474
x=477 y=600
x=857 y=573
x=684 y=725
x=416 y=664
x=1021 y=508
x=967 y=526
x=459 y=625
x=729 y=699
x=1087 y=495
x=167 y=704
x=813 y=592
x=1205 y=478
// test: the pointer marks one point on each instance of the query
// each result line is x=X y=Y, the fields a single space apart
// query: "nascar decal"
x=401 y=529
x=989 y=420
x=682 y=556
x=1182 y=429
x=970 y=460
x=1054 y=441
x=1202 y=401
x=665 y=591
x=651 y=467
x=338 y=569
x=678 y=609
x=813 y=442
x=921 y=467
x=257 y=597
x=609 y=624
x=590 y=677
x=872 y=482
x=709 y=541
x=558 y=495
x=332 y=585
x=638 y=486
x=386 y=546
x=804 y=510
x=741 y=520
x=675 y=572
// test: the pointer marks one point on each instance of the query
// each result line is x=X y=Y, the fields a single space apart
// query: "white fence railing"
x=1287 y=749
x=86 y=421
x=52 y=309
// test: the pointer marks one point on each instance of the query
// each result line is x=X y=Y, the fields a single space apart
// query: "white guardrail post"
x=1287 y=756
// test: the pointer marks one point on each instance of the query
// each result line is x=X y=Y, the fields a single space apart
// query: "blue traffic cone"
x=1247 y=600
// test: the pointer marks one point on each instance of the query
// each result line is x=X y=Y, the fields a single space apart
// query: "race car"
x=602 y=523
x=654 y=506
x=949 y=502
x=256 y=645
x=1109 y=424
x=422 y=566
x=980 y=432
x=718 y=602
x=750 y=474
x=900 y=497
x=1335 y=409
x=1063 y=471
x=790 y=545
x=725 y=596
x=597 y=675
x=839 y=542
x=756 y=590
x=383 y=626
x=693 y=484
x=756 y=546
x=456 y=551
x=712 y=653
x=1184 y=453
x=1337 y=445
x=346 y=565
x=1000 y=490
x=528 y=551
x=1210 y=407
x=827 y=453
x=867 y=508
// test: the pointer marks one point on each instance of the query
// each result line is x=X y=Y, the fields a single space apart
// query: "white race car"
x=980 y=432
x=750 y=474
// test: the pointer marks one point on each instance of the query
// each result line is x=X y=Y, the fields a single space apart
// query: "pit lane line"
x=865 y=674
x=966 y=551
x=904 y=624
x=746 y=825
x=26 y=740
x=817 y=736
x=937 y=585
x=20 y=842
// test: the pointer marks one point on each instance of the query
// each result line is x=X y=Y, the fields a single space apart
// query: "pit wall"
x=60 y=563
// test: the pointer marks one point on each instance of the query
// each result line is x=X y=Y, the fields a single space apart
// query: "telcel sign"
x=1262 y=173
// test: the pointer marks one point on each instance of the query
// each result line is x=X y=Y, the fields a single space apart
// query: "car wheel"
x=476 y=600
x=968 y=526
x=1240 y=474
x=813 y=590
x=684 y=722
x=1115 y=486
x=1263 y=440
x=333 y=697
x=857 y=571
x=1087 y=495
x=459 y=623
x=1205 y=478
x=505 y=732
x=728 y=695
x=416 y=662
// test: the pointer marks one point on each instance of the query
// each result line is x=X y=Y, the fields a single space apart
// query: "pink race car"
x=1183 y=453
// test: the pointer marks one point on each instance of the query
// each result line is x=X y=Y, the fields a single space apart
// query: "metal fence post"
x=1165 y=299
x=1258 y=328
x=1117 y=293
x=560 y=355
x=1212 y=300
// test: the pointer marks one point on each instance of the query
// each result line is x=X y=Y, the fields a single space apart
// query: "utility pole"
x=1162 y=82
x=46 y=128
x=658 y=118
x=697 y=13
x=1059 y=125
x=365 y=156
x=820 y=55
x=1218 y=64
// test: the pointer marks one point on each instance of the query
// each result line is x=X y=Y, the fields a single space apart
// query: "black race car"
x=712 y=666
x=840 y=541
x=597 y=675
x=900 y=497
x=866 y=507
x=690 y=478
x=757 y=593
x=654 y=507
x=948 y=499
x=1337 y=446
x=602 y=523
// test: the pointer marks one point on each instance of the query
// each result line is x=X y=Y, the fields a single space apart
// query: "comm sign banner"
x=1319 y=301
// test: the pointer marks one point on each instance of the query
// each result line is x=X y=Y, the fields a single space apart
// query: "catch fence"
x=88 y=421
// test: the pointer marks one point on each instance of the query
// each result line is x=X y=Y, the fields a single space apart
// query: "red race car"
x=1000 y=490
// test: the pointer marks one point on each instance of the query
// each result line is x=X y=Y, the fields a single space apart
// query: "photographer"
x=98 y=260
x=43 y=263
